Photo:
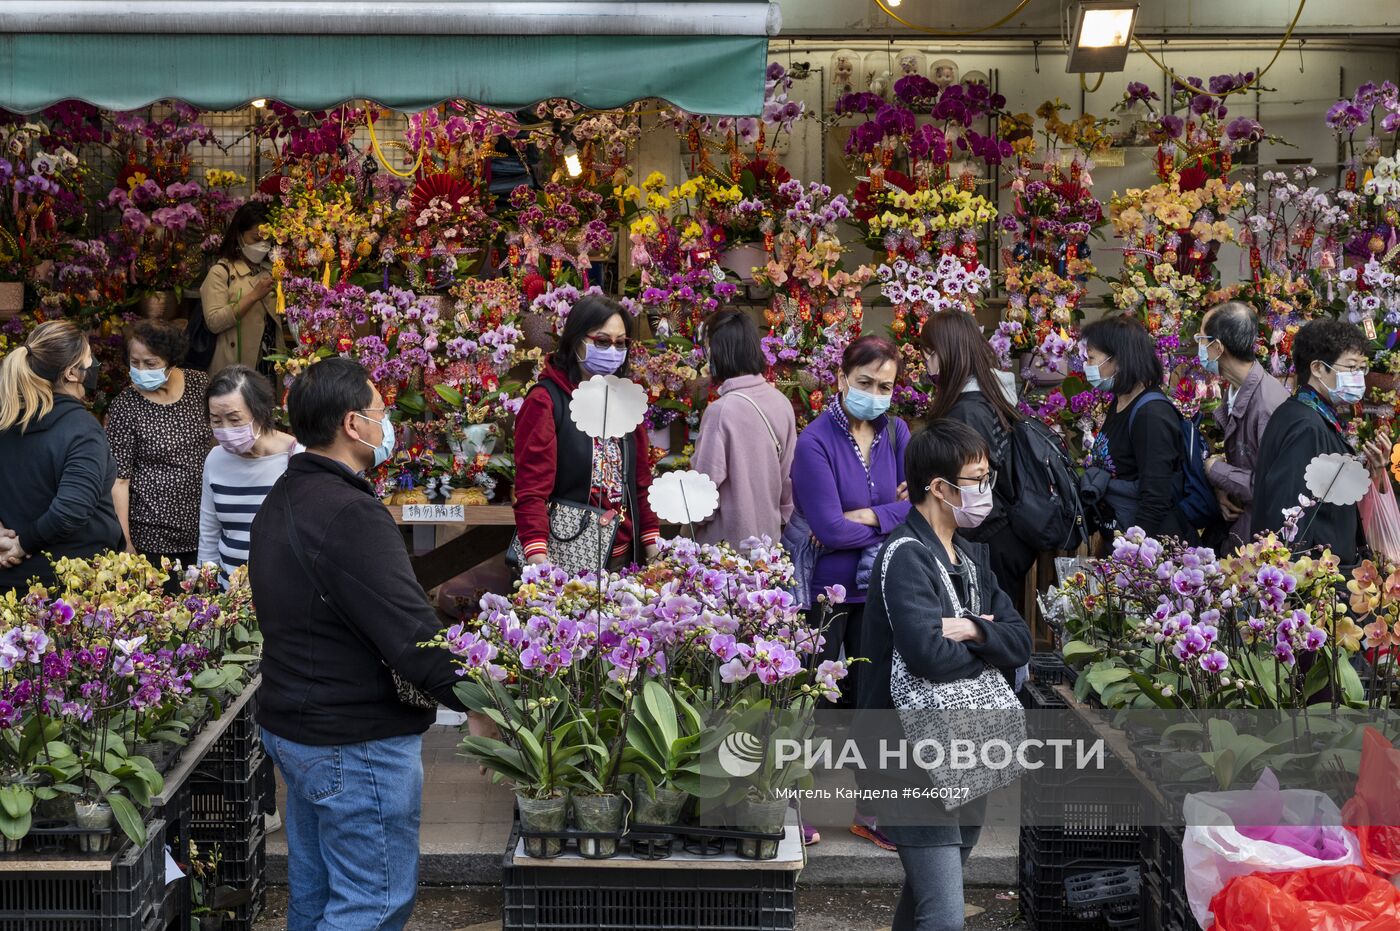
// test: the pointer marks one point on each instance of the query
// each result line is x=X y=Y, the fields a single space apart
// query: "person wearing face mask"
x=160 y=437
x=56 y=484
x=963 y=366
x=1331 y=359
x=935 y=600
x=848 y=488
x=249 y=456
x=341 y=613
x=237 y=297
x=1140 y=445
x=553 y=457
x=1225 y=346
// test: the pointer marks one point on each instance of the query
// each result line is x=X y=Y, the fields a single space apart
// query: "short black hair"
x=252 y=386
x=251 y=214
x=322 y=396
x=164 y=339
x=941 y=450
x=1324 y=340
x=1236 y=325
x=868 y=349
x=1126 y=341
x=591 y=312
x=735 y=348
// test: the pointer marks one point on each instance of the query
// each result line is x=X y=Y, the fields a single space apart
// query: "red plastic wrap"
x=1328 y=898
x=1373 y=813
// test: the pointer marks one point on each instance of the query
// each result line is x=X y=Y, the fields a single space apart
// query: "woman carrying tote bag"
x=563 y=515
x=941 y=636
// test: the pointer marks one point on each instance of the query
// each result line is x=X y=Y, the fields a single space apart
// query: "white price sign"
x=434 y=513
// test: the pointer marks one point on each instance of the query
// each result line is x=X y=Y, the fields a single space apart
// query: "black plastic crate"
x=245 y=916
x=1105 y=893
x=128 y=897
x=1037 y=696
x=243 y=863
x=223 y=811
x=1083 y=803
x=1057 y=845
x=1044 y=903
x=1047 y=668
x=240 y=742
x=670 y=898
x=1164 y=907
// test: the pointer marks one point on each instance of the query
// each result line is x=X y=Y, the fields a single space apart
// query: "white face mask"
x=256 y=253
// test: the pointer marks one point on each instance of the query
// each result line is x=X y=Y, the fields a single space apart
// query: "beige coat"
x=221 y=293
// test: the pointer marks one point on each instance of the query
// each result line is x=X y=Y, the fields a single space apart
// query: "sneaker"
x=272 y=822
x=871 y=833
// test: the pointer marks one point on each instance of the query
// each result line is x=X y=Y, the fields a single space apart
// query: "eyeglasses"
x=1361 y=368
x=1204 y=340
x=985 y=483
x=603 y=342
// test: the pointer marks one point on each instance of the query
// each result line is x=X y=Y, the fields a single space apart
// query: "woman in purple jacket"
x=848 y=484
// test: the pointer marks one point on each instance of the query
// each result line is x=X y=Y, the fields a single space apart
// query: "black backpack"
x=1042 y=489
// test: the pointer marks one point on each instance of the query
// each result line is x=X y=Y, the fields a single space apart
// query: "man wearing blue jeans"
x=342 y=617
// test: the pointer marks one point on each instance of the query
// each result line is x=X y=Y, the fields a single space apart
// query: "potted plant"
x=538 y=753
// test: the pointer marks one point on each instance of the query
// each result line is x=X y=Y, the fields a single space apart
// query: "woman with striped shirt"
x=239 y=472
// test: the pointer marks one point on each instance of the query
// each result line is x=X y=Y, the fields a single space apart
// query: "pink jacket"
x=736 y=450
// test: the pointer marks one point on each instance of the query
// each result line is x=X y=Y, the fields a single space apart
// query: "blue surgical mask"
x=1091 y=372
x=1203 y=353
x=385 y=449
x=862 y=405
x=603 y=361
x=149 y=379
x=1348 y=387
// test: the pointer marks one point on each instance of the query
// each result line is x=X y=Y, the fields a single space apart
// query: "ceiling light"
x=260 y=102
x=571 y=161
x=1102 y=31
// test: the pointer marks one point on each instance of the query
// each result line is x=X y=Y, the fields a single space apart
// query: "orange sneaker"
x=871 y=833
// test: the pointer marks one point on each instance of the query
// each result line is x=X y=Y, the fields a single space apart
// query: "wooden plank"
x=194 y=752
x=1117 y=741
x=486 y=515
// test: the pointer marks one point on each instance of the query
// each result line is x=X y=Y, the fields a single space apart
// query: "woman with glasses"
x=555 y=460
x=56 y=486
x=935 y=603
x=1331 y=361
x=963 y=366
x=1140 y=445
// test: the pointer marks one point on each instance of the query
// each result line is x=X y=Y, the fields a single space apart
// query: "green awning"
x=701 y=74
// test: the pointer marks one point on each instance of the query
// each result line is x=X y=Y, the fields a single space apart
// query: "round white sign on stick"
x=1334 y=478
x=607 y=407
x=683 y=497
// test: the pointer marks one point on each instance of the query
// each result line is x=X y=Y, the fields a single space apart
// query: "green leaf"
x=128 y=818
x=15 y=828
x=1079 y=650
x=1151 y=690
x=449 y=394
x=16 y=801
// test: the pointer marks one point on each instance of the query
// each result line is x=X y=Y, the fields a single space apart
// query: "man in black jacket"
x=1330 y=359
x=339 y=607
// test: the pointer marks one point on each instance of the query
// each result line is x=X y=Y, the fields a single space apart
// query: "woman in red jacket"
x=553 y=457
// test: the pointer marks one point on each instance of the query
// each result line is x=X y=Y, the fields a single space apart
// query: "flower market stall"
x=442 y=189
